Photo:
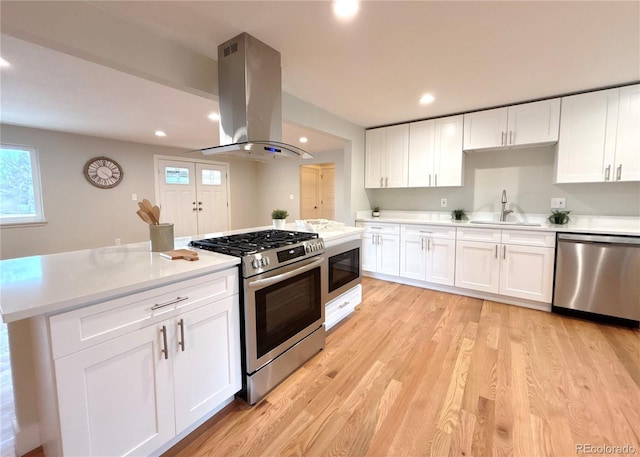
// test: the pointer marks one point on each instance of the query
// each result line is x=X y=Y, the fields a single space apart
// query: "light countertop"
x=603 y=225
x=31 y=286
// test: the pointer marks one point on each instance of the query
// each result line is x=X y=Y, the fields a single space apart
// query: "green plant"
x=459 y=215
x=559 y=217
x=279 y=214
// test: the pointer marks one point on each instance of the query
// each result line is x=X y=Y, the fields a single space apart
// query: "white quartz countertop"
x=580 y=224
x=31 y=286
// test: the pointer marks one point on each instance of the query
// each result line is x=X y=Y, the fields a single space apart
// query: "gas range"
x=264 y=250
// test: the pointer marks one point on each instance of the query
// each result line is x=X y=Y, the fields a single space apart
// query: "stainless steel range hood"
x=250 y=90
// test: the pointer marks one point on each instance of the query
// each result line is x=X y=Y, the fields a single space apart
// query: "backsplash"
x=527 y=176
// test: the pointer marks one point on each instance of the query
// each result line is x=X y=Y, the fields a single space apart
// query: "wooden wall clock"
x=103 y=172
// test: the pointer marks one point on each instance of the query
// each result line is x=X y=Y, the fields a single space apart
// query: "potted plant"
x=279 y=217
x=376 y=211
x=458 y=215
x=559 y=217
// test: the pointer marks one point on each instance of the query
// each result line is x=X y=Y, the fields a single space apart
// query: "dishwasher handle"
x=570 y=237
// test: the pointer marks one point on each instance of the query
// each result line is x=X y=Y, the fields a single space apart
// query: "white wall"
x=527 y=176
x=82 y=216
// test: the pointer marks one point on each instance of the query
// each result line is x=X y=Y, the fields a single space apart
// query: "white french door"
x=193 y=196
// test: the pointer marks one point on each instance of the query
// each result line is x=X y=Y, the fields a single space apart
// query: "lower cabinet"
x=523 y=270
x=343 y=305
x=427 y=253
x=381 y=248
x=134 y=392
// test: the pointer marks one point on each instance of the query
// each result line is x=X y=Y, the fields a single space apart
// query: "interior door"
x=328 y=193
x=178 y=199
x=212 y=201
x=309 y=189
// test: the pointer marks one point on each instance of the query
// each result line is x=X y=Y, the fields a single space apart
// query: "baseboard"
x=26 y=438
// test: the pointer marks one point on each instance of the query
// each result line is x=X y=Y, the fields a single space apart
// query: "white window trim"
x=38 y=219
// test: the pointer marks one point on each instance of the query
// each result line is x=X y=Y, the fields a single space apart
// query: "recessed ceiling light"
x=160 y=133
x=345 y=9
x=303 y=139
x=214 y=116
x=4 y=63
x=426 y=99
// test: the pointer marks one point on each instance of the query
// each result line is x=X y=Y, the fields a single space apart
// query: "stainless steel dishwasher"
x=598 y=274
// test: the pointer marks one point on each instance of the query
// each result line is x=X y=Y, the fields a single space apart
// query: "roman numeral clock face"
x=103 y=172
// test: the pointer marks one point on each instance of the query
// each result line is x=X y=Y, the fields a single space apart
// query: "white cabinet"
x=428 y=253
x=507 y=262
x=145 y=367
x=435 y=153
x=514 y=126
x=599 y=137
x=386 y=156
x=381 y=248
x=341 y=306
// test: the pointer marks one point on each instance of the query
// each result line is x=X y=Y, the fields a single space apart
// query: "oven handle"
x=260 y=283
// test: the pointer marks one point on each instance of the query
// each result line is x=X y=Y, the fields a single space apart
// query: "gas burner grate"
x=244 y=244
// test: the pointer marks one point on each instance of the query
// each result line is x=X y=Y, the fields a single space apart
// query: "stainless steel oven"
x=342 y=268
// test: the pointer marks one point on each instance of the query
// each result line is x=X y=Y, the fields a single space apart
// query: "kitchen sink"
x=527 y=224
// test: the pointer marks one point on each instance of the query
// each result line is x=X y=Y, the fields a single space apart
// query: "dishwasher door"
x=598 y=274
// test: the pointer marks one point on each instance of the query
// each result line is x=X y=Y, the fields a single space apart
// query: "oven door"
x=342 y=269
x=282 y=307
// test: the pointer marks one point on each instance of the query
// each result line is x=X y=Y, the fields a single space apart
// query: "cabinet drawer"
x=341 y=306
x=433 y=231
x=94 y=324
x=479 y=234
x=529 y=238
x=381 y=227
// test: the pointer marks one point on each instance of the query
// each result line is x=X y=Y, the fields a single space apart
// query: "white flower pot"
x=279 y=223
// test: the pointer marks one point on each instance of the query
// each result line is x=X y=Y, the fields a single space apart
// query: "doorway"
x=193 y=195
x=318 y=191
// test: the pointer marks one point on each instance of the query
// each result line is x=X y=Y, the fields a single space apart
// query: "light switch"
x=134 y=197
x=290 y=196
x=558 y=202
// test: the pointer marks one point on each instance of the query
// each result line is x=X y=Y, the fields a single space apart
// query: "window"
x=20 y=195
x=211 y=177
x=174 y=175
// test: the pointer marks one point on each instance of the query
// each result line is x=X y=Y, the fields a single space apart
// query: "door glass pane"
x=175 y=175
x=211 y=177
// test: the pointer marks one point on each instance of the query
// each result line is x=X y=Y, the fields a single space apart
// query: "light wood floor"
x=416 y=373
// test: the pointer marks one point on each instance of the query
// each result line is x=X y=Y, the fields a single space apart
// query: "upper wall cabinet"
x=387 y=153
x=435 y=152
x=514 y=126
x=600 y=137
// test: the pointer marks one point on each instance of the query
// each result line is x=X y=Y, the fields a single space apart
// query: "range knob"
x=264 y=261
x=307 y=248
x=255 y=264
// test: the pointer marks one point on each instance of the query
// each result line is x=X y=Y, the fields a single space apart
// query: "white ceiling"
x=370 y=71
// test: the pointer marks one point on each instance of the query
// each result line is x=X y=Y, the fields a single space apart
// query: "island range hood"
x=250 y=91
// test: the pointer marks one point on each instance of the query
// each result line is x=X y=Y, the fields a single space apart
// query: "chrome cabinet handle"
x=504 y=252
x=386 y=182
x=169 y=303
x=422 y=244
x=502 y=135
x=379 y=240
x=619 y=172
x=165 y=349
x=429 y=179
x=511 y=136
x=428 y=244
x=181 y=342
x=436 y=184
x=607 y=173
x=343 y=305
x=496 y=251
x=262 y=283
x=381 y=181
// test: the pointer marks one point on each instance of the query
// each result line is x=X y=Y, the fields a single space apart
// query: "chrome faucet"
x=504 y=212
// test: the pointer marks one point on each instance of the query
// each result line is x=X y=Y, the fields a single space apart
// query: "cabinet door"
x=421 y=149
x=627 y=161
x=369 y=252
x=397 y=156
x=526 y=272
x=448 y=155
x=389 y=254
x=413 y=256
x=375 y=147
x=206 y=365
x=532 y=123
x=485 y=129
x=477 y=266
x=441 y=261
x=116 y=398
x=587 y=143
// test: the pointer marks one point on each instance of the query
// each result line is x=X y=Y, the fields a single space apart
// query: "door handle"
x=164 y=349
x=262 y=283
x=607 y=173
x=181 y=341
x=619 y=172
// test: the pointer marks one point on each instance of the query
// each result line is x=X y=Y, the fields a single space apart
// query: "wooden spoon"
x=148 y=210
x=156 y=213
x=145 y=217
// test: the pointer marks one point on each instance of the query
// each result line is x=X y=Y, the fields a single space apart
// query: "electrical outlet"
x=290 y=196
x=134 y=197
x=443 y=203
x=558 y=202
x=117 y=241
